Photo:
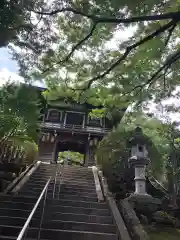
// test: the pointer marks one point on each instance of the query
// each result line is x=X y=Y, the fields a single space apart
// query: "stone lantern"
x=139 y=160
x=141 y=201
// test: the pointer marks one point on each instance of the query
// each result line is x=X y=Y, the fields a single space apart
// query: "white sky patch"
x=120 y=36
x=7 y=77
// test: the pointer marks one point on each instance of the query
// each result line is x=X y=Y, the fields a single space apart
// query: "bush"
x=113 y=153
x=31 y=152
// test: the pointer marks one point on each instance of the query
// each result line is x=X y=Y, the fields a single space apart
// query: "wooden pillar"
x=91 y=161
x=89 y=156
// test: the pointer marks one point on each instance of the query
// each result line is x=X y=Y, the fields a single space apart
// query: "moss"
x=165 y=233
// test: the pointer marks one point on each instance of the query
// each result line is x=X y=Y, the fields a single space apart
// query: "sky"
x=9 y=68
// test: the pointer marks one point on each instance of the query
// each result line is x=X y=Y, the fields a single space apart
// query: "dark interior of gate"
x=70 y=148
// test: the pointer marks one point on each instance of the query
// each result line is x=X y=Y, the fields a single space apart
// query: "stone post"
x=140 y=169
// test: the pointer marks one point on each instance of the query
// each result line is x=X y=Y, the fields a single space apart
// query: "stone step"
x=18 y=198
x=44 y=171
x=43 y=168
x=79 y=210
x=34 y=190
x=21 y=213
x=38 y=184
x=77 y=175
x=43 y=178
x=80 y=217
x=70 y=188
x=60 y=224
x=80 y=184
x=39 y=179
x=78 y=226
x=31 y=186
x=16 y=205
x=51 y=234
x=79 y=193
x=77 y=197
x=7 y=230
x=17 y=221
x=74 y=203
x=76 y=168
x=34 y=187
x=14 y=238
x=77 y=181
x=75 y=235
x=8 y=238
x=48 y=156
x=14 y=213
x=64 y=187
x=76 y=214
x=35 y=194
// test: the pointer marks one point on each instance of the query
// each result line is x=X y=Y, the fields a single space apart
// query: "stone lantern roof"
x=138 y=137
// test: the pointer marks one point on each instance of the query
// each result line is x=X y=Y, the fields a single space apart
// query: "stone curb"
x=122 y=229
x=26 y=177
x=97 y=184
x=17 y=180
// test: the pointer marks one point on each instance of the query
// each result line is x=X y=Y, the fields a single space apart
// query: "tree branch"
x=80 y=43
x=33 y=27
x=127 y=52
x=164 y=67
x=100 y=19
x=75 y=47
x=170 y=33
x=174 y=16
x=65 y=9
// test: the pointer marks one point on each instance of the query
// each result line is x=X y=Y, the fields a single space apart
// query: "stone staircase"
x=73 y=213
x=46 y=157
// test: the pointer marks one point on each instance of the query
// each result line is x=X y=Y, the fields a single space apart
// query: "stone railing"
x=122 y=230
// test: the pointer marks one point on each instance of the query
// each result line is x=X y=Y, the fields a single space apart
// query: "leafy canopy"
x=82 y=45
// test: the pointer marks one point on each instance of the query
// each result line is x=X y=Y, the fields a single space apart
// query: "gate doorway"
x=71 y=157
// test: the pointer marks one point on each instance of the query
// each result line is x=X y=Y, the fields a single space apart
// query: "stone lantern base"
x=144 y=204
